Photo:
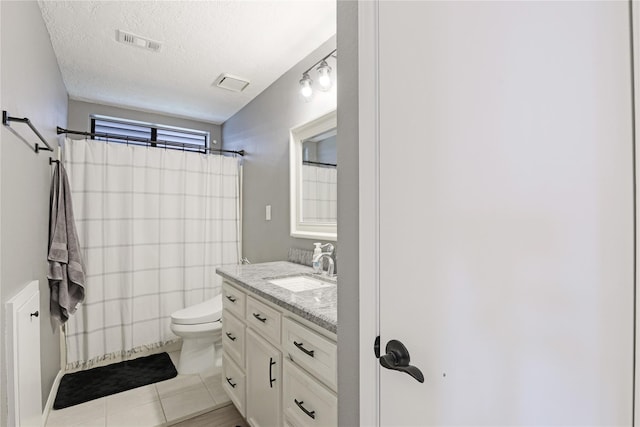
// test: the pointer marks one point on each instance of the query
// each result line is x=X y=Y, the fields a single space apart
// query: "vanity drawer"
x=233 y=299
x=305 y=401
x=264 y=319
x=311 y=351
x=234 y=383
x=233 y=340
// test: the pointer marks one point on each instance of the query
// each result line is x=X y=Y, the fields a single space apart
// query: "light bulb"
x=305 y=86
x=324 y=70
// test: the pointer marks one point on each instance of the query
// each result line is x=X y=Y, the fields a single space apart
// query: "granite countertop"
x=319 y=306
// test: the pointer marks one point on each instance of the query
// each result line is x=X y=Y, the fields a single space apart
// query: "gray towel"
x=66 y=269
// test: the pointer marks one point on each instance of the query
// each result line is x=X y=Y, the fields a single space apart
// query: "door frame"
x=369 y=207
x=634 y=6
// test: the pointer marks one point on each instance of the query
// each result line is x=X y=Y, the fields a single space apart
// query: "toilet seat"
x=194 y=331
x=208 y=311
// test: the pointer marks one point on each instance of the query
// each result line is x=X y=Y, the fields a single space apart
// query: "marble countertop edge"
x=318 y=306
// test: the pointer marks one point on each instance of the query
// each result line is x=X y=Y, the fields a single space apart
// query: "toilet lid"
x=204 y=312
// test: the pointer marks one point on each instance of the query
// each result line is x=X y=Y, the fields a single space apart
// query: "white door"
x=506 y=234
x=264 y=382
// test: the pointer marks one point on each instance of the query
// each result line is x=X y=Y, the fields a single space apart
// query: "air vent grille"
x=138 y=41
x=232 y=83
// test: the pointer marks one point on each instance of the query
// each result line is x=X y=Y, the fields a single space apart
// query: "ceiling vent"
x=233 y=83
x=134 y=40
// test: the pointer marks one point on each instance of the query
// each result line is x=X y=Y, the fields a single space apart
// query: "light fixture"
x=324 y=76
x=324 y=71
x=305 y=85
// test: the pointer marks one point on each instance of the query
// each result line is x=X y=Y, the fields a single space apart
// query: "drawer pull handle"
x=271 y=379
x=230 y=298
x=311 y=414
x=301 y=347
x=257 y=316
x=231 y=337
x=230 y=383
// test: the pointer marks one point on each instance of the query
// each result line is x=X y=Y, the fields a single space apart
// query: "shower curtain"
x=320 y=195
x=153 y=225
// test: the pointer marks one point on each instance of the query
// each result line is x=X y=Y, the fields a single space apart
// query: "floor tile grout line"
x=104 y=409
x=164 y=414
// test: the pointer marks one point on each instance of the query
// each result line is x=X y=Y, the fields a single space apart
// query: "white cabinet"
x=234 y=383
x=257 y=337
x=233 y=338
x=264 y=319
x=311 y=351
x=306 y=402
x=233 y=300
x=264 y=382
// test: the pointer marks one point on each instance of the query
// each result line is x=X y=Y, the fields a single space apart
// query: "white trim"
x=13 y=381
x=52 y=397
x=369 y=147
x=63 y=346
x=240 y=207
x=297 y=134
x=635 y=20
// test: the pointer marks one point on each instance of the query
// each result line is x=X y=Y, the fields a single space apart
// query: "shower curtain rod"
x=309 y=162
x=147 y=141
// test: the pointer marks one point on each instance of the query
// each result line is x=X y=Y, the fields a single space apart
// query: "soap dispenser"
x=317 y=262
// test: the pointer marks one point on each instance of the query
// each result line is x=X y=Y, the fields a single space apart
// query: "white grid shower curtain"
x=153 y=224
x=320 y=195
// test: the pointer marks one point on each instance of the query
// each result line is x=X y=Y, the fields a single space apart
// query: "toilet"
x=200 y=327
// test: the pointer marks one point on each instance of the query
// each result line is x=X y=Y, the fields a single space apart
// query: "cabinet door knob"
x=230 y=383
x=311 y=414
x=271 y=379
x=301 y=348
x=257 y=316
x=34 y=314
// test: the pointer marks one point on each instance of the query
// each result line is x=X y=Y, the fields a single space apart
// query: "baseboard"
x=51 y=398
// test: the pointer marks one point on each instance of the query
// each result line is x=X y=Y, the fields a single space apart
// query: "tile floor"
x=161 y=404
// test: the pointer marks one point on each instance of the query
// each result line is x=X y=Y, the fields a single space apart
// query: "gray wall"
x=31 y=86
x=262 y=129
x=348 y=279
x=79 y=119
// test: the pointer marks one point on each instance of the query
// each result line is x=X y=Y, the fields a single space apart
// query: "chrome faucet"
x=327 y=254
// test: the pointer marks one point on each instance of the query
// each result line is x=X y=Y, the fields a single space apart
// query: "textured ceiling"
x=255 y=40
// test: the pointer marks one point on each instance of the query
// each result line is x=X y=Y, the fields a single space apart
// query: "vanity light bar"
x=324 y=70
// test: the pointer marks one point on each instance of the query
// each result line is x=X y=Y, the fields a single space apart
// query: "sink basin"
x=299 y=283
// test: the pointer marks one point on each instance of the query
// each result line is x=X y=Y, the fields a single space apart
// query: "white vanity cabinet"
x=279 y=369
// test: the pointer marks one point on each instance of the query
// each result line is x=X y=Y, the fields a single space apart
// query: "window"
x=132 y=132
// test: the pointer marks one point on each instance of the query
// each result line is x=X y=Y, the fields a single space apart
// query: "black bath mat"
x=83 y=386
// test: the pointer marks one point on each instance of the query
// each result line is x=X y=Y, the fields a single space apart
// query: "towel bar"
x=6 y=120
